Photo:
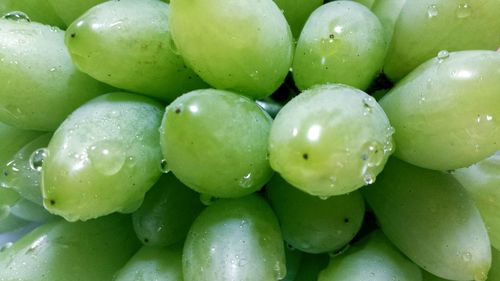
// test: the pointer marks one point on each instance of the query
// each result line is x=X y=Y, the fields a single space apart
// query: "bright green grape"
x=70 y=10
x=447 y=111
x=311 y=224
x=215 y=142
x=35 y=10
x=426 y=27
x=153 y=264
x=429 y=216
x=297 y=12
x=243 y=46
x=330 y=140
x=482 y=181
x=168 y=210
x=235 y=239
x=62 y=251
x=40 y=84
x=22 y=172
x=374 y=258
x=342 y=42
x=135 y=32
x=103 y=158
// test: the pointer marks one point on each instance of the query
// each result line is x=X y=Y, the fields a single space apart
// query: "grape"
x=293 y=259
x=12 y=139
x=388 y=12
x=246 y=45
x=311 y=224
x=103 y=158
x=311 y=266
x=494 y=273
x=168 y=210
x=40 y=85
x=153 y=263
x=235 y=239
x=61 y=251
x=297 y=11
x=342 y=42
x=8 y=221
x=374 y=258
x=215 y=132
x=330 y=140
x=447 y=111
x=35 y=10
x=482 y=181
x=70 y=10
x=426 y=27
x=30 y=211
x=145 y=46
x=429 y=216
x=426 y=276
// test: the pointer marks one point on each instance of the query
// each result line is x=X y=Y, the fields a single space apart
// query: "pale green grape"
x=235 y=239
x=297 y=11
x=243 y=46
x=330 y=140
x=311 y=224
x=429 y=216
x=482 y=181
x=374 y=258
x=22 y=172
x=62 y=251
x=215 y=142
x=388 y=12
x=36 y=10
x=168 y=210
x=447 y=111
x=342 y=42
x=103 y=158
x=30 y=211
x=11 y=141
x=153 y=264
x=136 y=33
x=70 y=10
x=367 y=3
x=40 y=84
x=8 y=221
x=426 y=27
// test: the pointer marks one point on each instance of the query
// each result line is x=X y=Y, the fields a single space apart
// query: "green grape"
x=34 y=10
x=11 y=141
x=374 y=258
x=135 y=32
x=367 y=3
x=494 y=274
x=310 y=267
x=271 y=106
x=220 y=135
x=330 y=140
x=153 y=263
x=342 y=42
x=388 y=12
x=235 y=239
x=103 y=158
x=40 y=84
x=447 y=111
x=22 y=173
x=168 y=210
x=482 y=181
x=426 y=276
x=62 y=251
x=297 y=11
x=30 y=211
x=70 y=10
x=246 y=45
x=8 y=221
x=311 y=224
x=426 y=27
x=429 y=216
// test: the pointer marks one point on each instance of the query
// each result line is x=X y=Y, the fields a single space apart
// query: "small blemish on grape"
x=177 y=110
x=6 y=173
x=146 y=240
x=346 y=220
x=52 y=202
x=332 y=36
x=73 y=35
x=305 y=156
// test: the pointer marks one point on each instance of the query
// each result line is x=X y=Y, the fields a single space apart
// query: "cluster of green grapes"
x=242 y=140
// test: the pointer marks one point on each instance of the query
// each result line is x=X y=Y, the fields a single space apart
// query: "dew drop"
x=442 y=55
x=164 y=166
x=432 y=11
x=368 y=104
x=279 y=271
x=207 y=199
x=246 y=181
x=373 y=154
x=37 y=157
x=467 y=257
x=17 y=16
x=323 y=197
x=107 y=156
x=333 y=181
x=4 y=212
x=368 y=178
x=463 y=10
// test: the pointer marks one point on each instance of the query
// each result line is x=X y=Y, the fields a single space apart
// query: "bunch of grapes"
x=249 y=140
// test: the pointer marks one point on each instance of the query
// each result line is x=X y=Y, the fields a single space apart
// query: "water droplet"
x=207 y=199
x=327 y=45
x=432 y=11
x=107 y=156
x=442 y=55
x=467 y=257
x=279 y=271
x=164 y=166
x=242 y=262
x=243 y=223
x=463 y=10
x=368 y=178
x=4 y=211
x=246 y=181
x=373 y=154
x=333 y=181
x=368 y=104
x=17 y=16
x=37 y=158
x=323 y=197
x=254 y=75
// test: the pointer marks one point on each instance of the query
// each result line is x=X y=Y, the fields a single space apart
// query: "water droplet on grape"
x=107 y=156
x=432 y=11
x=17 y=16
x=279 y=271
x=246 y=181
x=368 y=178
x=37 y=158
x=368 y=104
x=463 y=10
x=466 y=257
x=333 y=181
x=373 y=154
x=164 y=166
x=324 y=197
x=442 y=55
